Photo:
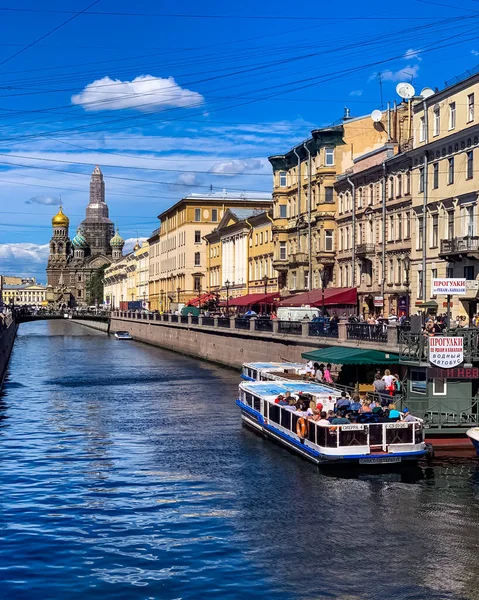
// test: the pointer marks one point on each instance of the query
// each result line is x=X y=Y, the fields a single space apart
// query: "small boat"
x=261 y=371
x=123 y=335
x=369 y=443
x=473 y=435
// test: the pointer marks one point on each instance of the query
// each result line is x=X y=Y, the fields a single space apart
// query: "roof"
x=23 y=286
x=251 y=299
x=332 y=297
x=351 y=356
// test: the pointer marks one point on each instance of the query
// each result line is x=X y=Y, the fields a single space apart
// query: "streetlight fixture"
x=227 y=286
x=265 y=281
x=178 y=290
x=322 y=275
x=144 y=299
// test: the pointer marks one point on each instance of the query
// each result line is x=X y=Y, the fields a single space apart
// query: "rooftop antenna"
x=406 y=91
x=427 y=92
x=380 y=78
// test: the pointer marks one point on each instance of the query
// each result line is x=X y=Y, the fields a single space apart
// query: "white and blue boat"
x=261 y=371
x=366 y=443
x=123 y=335
x=473 y=435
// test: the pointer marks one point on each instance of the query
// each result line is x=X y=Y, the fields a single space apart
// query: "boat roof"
x=260 y=366
x=274 y=388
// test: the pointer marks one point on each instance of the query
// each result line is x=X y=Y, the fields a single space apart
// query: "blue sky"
x=171 y=98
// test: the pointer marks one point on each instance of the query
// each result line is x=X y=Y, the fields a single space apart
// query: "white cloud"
x=412 y=54
x=46 y=200
x=407 y=73
x=475 y=52
x=356 y=93
x=131 y=242
x=144 y=93
x=230 y=168
x=189 y=179
x=24 y=260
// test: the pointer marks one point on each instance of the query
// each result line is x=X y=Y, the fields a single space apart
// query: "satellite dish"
x=405 y=90
x=426 y=92
x=376 y=115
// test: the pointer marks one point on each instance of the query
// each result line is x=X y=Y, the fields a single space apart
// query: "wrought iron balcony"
x=460 y=247
x=365 y=249
x=414 y=347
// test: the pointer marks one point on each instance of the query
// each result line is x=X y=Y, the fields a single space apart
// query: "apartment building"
x=154 y=290
x=183 y=251
x=24 y=294
x=128 y=279
x=305 y=200
x=445 y=184
x=240 y=254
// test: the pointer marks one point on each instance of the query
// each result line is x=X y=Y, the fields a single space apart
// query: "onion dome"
x=79 y=240
x=117 y=241
x=60 y=220
x=137 y=246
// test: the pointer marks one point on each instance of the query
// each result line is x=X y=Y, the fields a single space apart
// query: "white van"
x=296 y=313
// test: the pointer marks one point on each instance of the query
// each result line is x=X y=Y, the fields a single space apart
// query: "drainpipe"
x=353 y=192
x=383 y=255
x=250 y=235
x=424 y=206
x=299 y=196
x=310 y=266
x=272 y=242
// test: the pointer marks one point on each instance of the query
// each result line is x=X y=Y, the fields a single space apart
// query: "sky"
x=172 y=98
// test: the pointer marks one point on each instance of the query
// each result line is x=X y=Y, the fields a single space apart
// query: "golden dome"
x=60 y=220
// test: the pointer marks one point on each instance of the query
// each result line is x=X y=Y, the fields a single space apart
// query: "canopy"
x=332 y=297
x=201 y=299
x=351 y=356
x=251 y=299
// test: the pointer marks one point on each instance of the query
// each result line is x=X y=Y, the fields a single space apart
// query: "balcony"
x=326 y=257
x=280 y=264
x=459 y=248
x=300 y=258
x=365 y=250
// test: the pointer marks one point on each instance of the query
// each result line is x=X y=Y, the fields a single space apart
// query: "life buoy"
x=302 y=428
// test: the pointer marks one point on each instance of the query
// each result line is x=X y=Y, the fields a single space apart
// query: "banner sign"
x=446 y=352
x=378 y=301
x=449 y=287
x=454 y=373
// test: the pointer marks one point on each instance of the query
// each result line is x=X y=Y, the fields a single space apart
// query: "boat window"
x=254 y=374
x=312 y=431
x=286 y=418
x=418 y=383
x=249 y=399
x=274 y=412
x=256 y=403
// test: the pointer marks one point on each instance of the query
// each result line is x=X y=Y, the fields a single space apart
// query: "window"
x=450 y=173
x=197 y=259
x=306 y=280
x=329 y=156
x=256 y=239
x=399 y=186
x=449 y=272
x=282 y=179
x=470 y=229
x=265 y=237
x=361 y=233
x=419 y=232
x=452 y=115
x=437 y=121
x=282 y=211
x=391 y=271
x=450 y=224
x=391 y=187
x=422 y=129
x=197 y=237
x=469 y=273
x=434 y=276
x=399 y=271
x=328 y=240
x=470 y=108
x=421 y=180
x=282 y=251
x=408 y=183
x=261 y=237
x=293 y=280
x=470 y=164
x=371 y=194
x=214 y=215
x=328 y=195
x=197 y=283
x=435 y=231
x=418 y=382
x=435 y=176
x=399 y=227
x=420 y=281
x=439 y=386
x=391 y=228
x=197 y=214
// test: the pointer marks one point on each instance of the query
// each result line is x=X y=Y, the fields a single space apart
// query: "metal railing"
x=290 y=327
x=366 y=332
x=414 y=347
x=362 y=249
x=460 y=244
x=209 y=321
x=241 y=323
x=323 y=329
x=224 y=322
x=263 y=325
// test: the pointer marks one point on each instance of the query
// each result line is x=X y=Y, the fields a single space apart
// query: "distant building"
x=127 y=279
x=154 y=292
x=71 y=263
x=25 y=294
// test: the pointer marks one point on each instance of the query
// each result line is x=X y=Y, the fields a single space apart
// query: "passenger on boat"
x=355 y=405
x=319 y=406
x=292 y=404
x=393 y=412
x=340 y=419
x=322 y=421
x=279 y=399
x=366 y=407
x=343 y=403
x=408 y=416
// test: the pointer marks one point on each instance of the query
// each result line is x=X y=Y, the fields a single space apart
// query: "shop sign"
x=378 y=301
x=449 y=287
x=446 y=351
x=455 y=373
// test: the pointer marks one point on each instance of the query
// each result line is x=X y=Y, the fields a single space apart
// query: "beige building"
x=25 y=294
x=245 y=271
x=305 y=201
x=183 y=256
x=128 y=279
x=154 y=292
x=445 y=185
x=142 y=273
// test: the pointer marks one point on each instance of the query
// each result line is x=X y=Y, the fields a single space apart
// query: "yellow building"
x=305 y=201
x=115 y=289
x=183 y=257
x=25 y=294
x=445 y=193
x=154 y=292
x=240 y=253
x=127 y=280
x=142 y=272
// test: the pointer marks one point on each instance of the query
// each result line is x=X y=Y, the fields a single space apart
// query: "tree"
x=95 y=286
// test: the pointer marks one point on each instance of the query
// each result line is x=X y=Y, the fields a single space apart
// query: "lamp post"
x=162 y=293
x=407 y=267
x=144 y=299
x=265 y=281
x=227 y=286
x=323 y=278
x=178 y=290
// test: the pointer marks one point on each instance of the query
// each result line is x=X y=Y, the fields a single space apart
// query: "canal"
x=125 y=473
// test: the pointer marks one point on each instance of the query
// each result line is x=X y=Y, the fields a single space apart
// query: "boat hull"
x=473 y=435
x=254 y=420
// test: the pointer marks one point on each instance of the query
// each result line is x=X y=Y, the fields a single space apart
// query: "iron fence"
x=224 y=322
x=210 y=321
x=290 y=327
x=263 y=325
x=323 y=329
x=241 y=323
x=366 y=332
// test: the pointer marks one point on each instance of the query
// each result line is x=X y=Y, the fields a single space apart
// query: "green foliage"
x=95 y=286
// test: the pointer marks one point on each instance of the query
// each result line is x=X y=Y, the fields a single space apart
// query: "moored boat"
x=473 y=435
x=369 y=443
x=123 y=335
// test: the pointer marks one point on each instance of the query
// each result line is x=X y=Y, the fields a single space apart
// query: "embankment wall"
x=98 y=325
x=7 y=338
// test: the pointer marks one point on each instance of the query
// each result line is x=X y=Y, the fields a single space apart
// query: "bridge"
x=26 y=318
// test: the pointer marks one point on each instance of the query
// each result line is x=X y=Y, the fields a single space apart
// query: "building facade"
x=305 y=201
x=240 y=254
x=71 y=263
x=183 y=255
x=25 y=294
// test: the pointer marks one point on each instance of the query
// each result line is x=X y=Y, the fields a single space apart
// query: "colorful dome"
x=60 y=220
x=117 y=241
x=79 y=240
x=137 y=246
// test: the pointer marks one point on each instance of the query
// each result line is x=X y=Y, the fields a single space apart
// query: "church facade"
x=72 y=262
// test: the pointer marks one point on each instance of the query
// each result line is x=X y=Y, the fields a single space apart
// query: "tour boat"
x=368 y=443
x=260 y=371
x=473 y=435
x=123 y=335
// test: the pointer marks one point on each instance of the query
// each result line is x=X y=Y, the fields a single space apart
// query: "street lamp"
x=227 y=286
x=407 y=268
x=144 y=299
x=322 y=275
x=265 y=281
x=178 y=290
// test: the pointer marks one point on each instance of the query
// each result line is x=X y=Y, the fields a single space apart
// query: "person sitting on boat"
x=366 y=407
x=320 y=418
x=393 y=412
x=355 y=405
x=330 y=416
x=408 y=417
x=340 y=419
x=343 y=403
x=291 y=404
x=319 y=406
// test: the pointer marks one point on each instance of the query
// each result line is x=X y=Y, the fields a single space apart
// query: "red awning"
x=332 y=297
x=250 y=299
x=201 y=299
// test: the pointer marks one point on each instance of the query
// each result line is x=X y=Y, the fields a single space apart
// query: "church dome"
x=117 y=241
x=60 y=220
x=79 y=240
x=137 y=246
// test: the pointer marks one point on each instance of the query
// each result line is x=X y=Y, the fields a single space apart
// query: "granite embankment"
x=99 y=325
x=8 y=331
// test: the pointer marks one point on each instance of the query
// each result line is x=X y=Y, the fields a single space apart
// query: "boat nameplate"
x=380 y=460
x=400 y=425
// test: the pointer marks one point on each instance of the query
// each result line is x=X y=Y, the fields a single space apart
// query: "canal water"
x=125 y=473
